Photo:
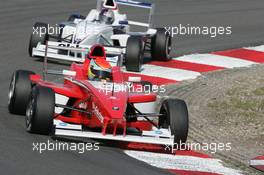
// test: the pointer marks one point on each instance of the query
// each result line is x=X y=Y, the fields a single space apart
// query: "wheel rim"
x=29 y=114
x=168 y=47
x=140 y=61
x=141 y=53
x=164 y=111
x=11 y=90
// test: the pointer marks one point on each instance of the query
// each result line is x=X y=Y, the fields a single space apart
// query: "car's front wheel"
x=19 y=92
x=134 y=54
x=39 y=35
x=175 y=117
x=40 y=111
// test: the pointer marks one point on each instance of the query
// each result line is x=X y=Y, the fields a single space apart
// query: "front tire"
x=19 y=92
x=40 y=111
x=161 y=45
x=134 y=54
x=175 y=116
x=40 y=34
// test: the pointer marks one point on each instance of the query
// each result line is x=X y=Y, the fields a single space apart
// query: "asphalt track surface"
x=17 y=18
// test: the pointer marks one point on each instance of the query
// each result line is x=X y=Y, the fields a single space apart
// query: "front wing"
x=159 y=137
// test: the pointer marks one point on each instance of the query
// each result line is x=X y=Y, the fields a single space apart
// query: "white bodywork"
x=76 y=52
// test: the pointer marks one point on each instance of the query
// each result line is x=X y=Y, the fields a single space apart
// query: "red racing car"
x=103 y=107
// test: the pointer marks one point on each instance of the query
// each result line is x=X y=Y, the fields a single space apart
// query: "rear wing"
x=135 y=3
x=113 y=4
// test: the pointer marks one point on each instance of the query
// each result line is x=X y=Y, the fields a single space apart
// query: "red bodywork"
x=101 y=105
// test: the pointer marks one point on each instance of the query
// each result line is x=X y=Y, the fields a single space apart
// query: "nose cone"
x=118 y=105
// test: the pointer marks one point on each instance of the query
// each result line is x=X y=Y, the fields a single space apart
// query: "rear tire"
x=134 y=54
x=40 y=111
x=161 y=45
x=176 y=118
x=35 y=37
x=19 y=92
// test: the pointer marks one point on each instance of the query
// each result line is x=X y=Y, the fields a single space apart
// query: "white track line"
x=256 y=162
x=168 y=73
x=188 y=163
x=256 y=48
x=215 y=60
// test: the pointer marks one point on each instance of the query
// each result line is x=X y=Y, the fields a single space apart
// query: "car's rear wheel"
x=175 y=117
x=39 y=35
x=19 y=92
x=134 y=54
x=40 y=111
x=161 y=45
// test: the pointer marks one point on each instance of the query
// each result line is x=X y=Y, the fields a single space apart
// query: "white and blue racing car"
x=104 y=25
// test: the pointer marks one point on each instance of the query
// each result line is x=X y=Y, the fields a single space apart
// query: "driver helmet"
x=107 y=16
x=99 y=69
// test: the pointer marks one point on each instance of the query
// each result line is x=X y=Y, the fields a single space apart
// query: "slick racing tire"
x=134 y=54
x=175 y=116
x=19 y=92
x=40 y=34
x=74 y=16
x=40 y=111
x=161 y=45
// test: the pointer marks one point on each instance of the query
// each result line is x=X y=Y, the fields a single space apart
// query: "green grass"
x=259 y=91
x=241 y=101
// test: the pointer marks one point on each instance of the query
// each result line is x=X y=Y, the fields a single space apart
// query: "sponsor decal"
x=97 y=112
x=159 y=132
x=63 y=124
